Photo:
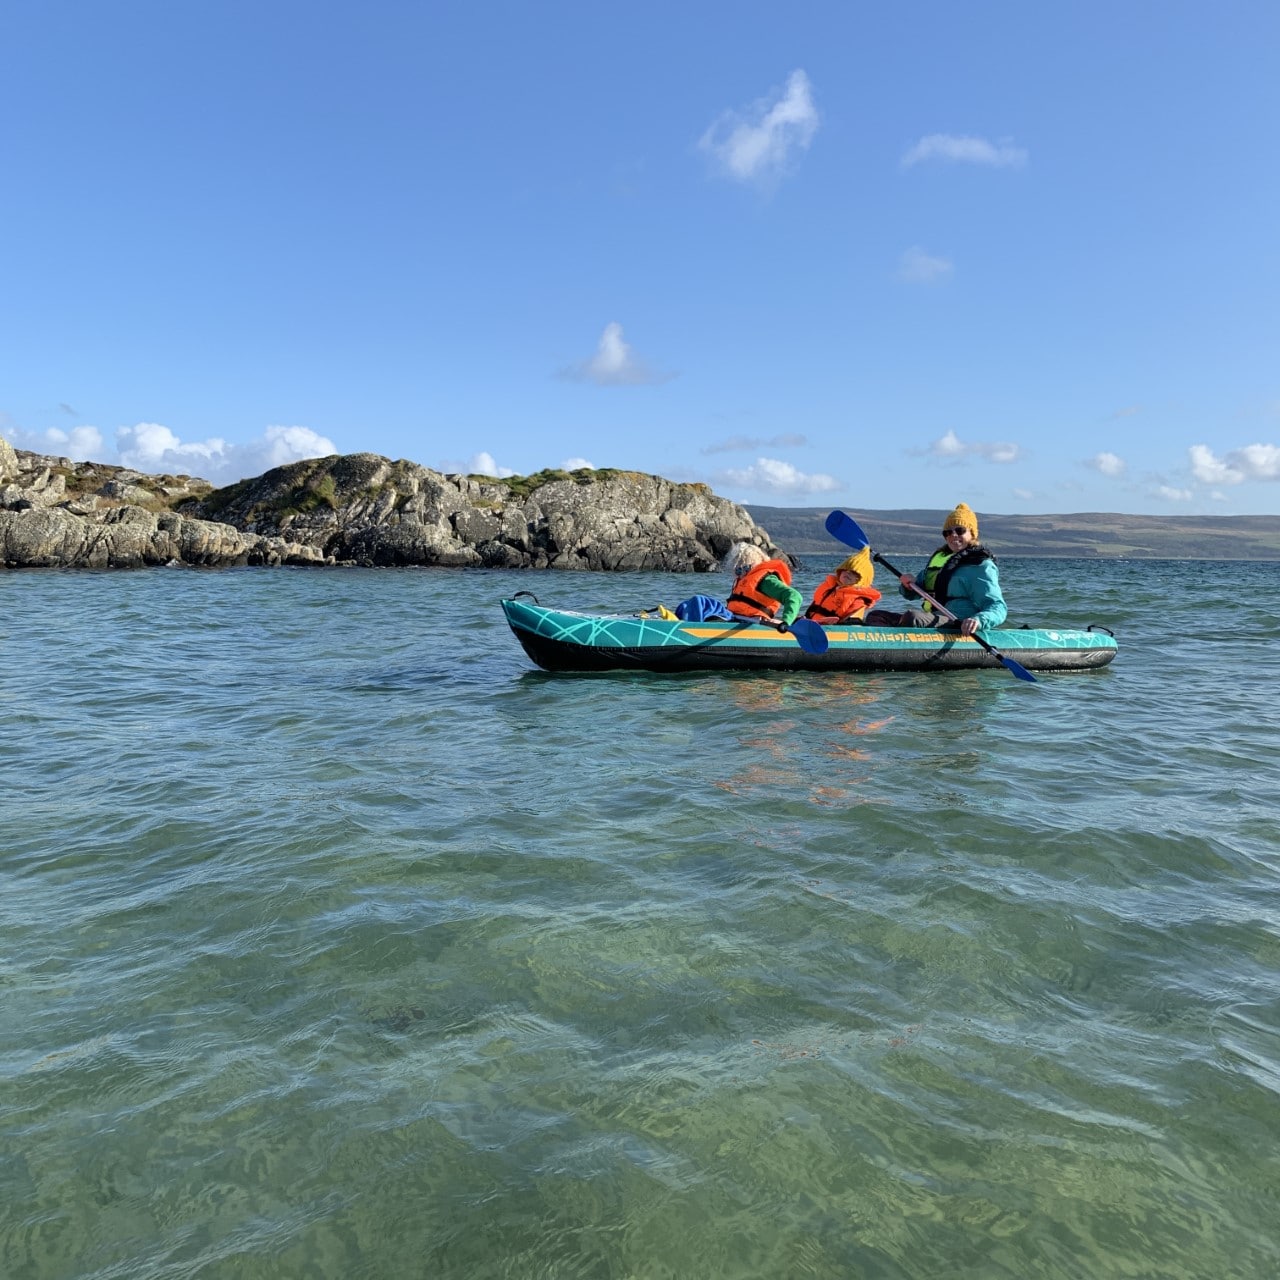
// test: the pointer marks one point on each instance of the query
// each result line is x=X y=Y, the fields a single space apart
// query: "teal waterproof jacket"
x=969 y=585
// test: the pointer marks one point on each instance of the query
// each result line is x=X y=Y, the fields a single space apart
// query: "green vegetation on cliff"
x=520 y=487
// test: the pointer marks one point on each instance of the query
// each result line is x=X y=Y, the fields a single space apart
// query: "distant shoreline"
x=1083 y=535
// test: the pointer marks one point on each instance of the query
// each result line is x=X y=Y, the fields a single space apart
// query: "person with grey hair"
x=761 y=586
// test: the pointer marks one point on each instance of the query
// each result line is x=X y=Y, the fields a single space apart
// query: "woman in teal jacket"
x=962 y=575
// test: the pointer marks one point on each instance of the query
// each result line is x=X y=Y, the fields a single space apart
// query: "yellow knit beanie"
x=860 y=563
x=962 y=518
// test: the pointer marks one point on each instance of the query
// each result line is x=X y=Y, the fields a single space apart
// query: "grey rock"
x=362 y=509
x=59 y=514
x=125 y=491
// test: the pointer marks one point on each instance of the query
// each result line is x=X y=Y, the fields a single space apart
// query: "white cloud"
x=965 y=150
x=1253 y=462
x=1025 y=494
x=1257 y=461
x=951 y=448
x=576 y=464
x=757 y=144
x=1208 y=470
x=80 y=444
x=920 y=267
x=770 y=475
x=481 y=464
x=1171 y=494
x=280 y=445
x=745 y=444
x=947 y=446
x=152 y=448
x=1109 y=464
x=613 y=364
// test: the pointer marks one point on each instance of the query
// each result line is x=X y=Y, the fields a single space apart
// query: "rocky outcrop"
x=55 y=513
x=362 y=509
x=365 y=509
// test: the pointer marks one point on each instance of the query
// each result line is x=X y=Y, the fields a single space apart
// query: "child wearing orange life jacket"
x=846 y=593
x=761 y=587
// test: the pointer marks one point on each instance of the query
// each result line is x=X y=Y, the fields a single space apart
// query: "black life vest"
x=936 y=578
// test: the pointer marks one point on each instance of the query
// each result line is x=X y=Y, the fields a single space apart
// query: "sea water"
x=339 y=941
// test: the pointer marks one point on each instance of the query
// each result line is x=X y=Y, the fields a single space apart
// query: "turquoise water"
x=337 y=944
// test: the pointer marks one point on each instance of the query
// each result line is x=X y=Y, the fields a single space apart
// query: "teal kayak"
x=563 y=640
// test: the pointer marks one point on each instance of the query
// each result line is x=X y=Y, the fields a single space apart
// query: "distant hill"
x=800 y=530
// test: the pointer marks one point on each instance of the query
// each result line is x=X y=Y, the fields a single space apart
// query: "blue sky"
x=864 y=255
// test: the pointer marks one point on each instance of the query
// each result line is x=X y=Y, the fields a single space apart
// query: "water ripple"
x=335 y=947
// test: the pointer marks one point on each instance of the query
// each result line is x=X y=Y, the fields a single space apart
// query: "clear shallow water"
x=334 y=948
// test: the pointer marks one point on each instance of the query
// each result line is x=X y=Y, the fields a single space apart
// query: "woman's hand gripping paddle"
x=847 y=530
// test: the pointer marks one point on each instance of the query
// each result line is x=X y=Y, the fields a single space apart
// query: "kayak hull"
x=563 y=640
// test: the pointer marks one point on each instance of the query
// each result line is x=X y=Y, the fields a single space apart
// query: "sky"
x=854 y=254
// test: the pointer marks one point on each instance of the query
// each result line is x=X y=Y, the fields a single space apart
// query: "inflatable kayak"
x=560 y=640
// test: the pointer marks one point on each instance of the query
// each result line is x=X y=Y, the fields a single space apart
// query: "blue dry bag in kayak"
x=700 y=608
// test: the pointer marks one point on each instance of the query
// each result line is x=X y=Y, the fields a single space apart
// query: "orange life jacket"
x=747 y=600
x=831 y=601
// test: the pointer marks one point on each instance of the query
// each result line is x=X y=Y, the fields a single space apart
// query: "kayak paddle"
x=809 y=635
x=847 y=530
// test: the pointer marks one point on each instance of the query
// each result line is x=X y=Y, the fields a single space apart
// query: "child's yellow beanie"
x=860 y=563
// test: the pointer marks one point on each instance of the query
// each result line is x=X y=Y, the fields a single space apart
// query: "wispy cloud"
x=965 y=149
x=770 y=475
x=746 y=444
x=920 y=267
x=614 y=364
x=1253 y=462
x=577 y=464
x=150 y=447
x=1170 y=494
x=950 y=448
x=759 y=143
x=1108 y=464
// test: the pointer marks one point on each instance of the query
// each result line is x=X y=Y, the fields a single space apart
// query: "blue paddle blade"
x=1017 y=668
x=1014 y=668
x=847 y=530
x=809 y=636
